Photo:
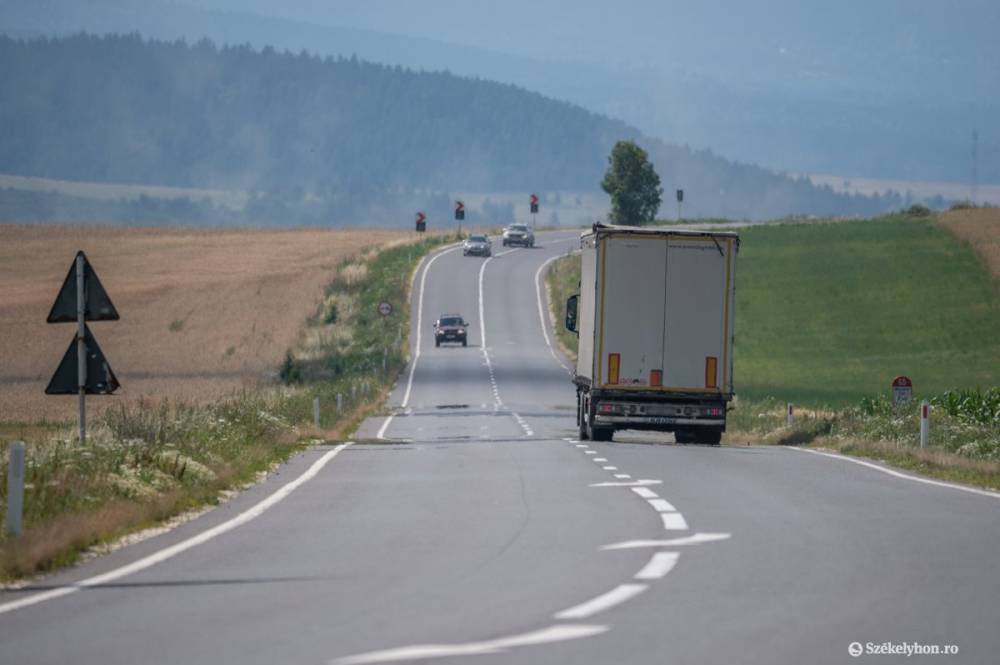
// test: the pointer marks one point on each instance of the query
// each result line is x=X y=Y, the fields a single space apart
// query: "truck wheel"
x=602 y=433
x=465 y=342
x=437 y=342
x=581 y=416
x=710 y=437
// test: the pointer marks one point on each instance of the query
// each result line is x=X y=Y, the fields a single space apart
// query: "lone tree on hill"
x=633 y=185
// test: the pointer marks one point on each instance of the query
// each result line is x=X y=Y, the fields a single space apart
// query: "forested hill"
x=125 y=110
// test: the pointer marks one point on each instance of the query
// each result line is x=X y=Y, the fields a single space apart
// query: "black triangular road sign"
x=100 y=379
x=98 y=305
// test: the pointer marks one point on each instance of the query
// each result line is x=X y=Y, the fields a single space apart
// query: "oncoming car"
x=477 y=245
x=518 y=234
x=450 y=328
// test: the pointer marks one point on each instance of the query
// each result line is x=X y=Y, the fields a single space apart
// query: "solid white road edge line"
x=254 y=511
x=541 y=313
x=659 y=565
x=558 y=633
x=616 y=596
x=899 y=474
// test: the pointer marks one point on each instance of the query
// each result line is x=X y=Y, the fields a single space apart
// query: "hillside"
x=318 y=135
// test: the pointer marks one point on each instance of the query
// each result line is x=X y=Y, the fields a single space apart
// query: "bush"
x=918 y=210
x=290 y=371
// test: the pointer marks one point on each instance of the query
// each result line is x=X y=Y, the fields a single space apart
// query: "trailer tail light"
x=614 y=366
x=605 y=408
x=714 y=412
x=711 y=367
x=656 y=378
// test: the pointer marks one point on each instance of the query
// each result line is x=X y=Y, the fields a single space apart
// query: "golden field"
x=980 y=227
x=203 y=312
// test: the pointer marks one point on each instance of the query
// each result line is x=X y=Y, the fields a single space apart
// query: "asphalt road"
x=480 y=531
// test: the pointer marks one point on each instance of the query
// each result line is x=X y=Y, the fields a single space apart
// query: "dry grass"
x=204 y=312
x=980 y=228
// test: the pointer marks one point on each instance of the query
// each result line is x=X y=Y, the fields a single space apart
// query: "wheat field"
x=204 y=313
x=980 y=227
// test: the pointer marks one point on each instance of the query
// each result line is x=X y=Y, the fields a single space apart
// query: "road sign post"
x=82 y=298
x=459 y=215
x=680 y=200
x=421 y=222
x=925 y=423
x=15 y=488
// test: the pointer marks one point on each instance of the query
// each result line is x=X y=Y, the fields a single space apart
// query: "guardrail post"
x=925 y=423
x=790 y=415
x=15 y=488
x=316 y=411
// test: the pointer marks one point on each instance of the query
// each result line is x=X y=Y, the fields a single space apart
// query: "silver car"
x=518 y=234
x=477 y=246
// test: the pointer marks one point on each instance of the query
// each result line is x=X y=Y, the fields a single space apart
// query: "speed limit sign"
x=384 y=308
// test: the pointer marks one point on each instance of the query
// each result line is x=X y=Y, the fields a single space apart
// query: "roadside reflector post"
x=81 y=347
x=316 y=411
x=790 y=415
x=925 y=423
x=354 y=391
x=340 y=402
x=15 y=488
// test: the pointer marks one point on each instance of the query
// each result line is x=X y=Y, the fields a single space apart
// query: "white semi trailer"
x=655 y=321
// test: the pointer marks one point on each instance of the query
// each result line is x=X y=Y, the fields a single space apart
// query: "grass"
x=563 y=280
x=828 y=313
x=146 y=461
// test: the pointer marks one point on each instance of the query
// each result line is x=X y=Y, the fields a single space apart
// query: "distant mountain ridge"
x=123 y=109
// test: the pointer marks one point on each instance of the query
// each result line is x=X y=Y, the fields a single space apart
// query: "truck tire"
x=602 y=433
x=465 y=342
x=437 y=342
x=581 y=416
x=709 y=437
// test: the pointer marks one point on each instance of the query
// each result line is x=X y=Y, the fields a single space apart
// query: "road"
x=472 y=527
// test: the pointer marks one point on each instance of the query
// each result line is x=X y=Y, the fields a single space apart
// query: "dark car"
x=450 y=328
x=477 y=246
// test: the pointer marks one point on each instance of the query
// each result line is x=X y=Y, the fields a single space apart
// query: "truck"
x=654 y=317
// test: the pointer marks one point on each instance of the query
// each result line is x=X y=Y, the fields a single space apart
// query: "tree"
x=633 y=185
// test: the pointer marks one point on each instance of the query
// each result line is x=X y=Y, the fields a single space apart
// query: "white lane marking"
x=589 y=452
x=674 y=522
x=645 y=492
x=661 y=505
x=558 y=633
x=599 y=459
x=659 y=565
x=524 y=424
x=693 y=539
x=256 y=510
x=581 y=445
x=385 y=424
x=610 y=468
x=622 y=475
x=420 y=320
x=542 y=317
x=616 y=596
x=627 y=483
x=899 y=474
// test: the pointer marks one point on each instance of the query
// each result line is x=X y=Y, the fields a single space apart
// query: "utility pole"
x=973 y=194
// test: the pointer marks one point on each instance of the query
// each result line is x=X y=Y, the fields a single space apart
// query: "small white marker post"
x=340 y=402
x=790 y=415
x=316 y=411
x=925 y=423
x=15 y=488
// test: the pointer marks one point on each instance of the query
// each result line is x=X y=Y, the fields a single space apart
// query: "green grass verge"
x=143 y=463
x=563 y=280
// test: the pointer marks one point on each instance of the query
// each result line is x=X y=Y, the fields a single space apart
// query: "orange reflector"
x=656 y=377
x=711 y=380
x=614 y=365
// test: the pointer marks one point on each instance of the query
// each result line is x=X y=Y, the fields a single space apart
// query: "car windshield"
x=477 y=238
x=518 y=227
x=450 y=321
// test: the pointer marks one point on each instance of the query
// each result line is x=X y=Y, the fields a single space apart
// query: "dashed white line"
x=622 y=475
x=645 y=492
x=589 y=452
x=558 y=633
x=582 y=445
x=254 y=511
x=600 y=459
x=610 y=468
x=659 y=565
x=661 y=505
x=674 y=522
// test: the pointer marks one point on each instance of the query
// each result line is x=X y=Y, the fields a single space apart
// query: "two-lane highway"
x=480 y=530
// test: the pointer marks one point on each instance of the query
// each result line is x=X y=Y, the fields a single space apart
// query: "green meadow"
x=830 y=312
